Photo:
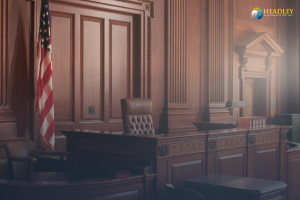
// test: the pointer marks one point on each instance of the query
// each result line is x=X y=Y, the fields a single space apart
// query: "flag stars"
x=43 y=14
x=47 y=38
x=46 y=13
x=44 y=22
x=41 y=30
x=45 y=30
x=42 y=39
x=46 y=6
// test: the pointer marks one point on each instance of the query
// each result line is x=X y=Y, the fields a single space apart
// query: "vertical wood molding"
x=178 y=117
x=176 y=52
x=215 y=109
x=216 y=51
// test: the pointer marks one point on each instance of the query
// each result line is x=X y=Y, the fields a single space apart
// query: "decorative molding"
x=184 y=148
x=251 y=140
x=283 y=135
x=228 y=136
x=212 y=145
x=180 y=141
x=264 y=137
x=247 y=48
x=162 y=151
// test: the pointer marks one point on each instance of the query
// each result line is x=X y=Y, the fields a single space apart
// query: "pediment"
x=259 y=44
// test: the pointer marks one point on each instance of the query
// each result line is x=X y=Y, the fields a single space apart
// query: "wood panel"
x=185 y=170
x=120 y=65
x=266 y=162
x=62 y=38
x=232 y=165
x=92 y=81
x=293 y=178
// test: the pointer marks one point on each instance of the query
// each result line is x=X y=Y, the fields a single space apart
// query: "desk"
x=225 y=187
x=256 y=152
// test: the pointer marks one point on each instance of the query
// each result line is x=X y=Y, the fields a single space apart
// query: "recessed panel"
x=232 y=165
x=266 y=164
x=92 y=67
x=294 y=178
x=185 y=170
x=119 y=65
x=62 y=64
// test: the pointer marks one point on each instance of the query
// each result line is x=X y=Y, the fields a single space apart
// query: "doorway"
x=255 y=92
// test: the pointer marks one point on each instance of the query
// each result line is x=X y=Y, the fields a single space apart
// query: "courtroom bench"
x=137 y=187
x=255 y=153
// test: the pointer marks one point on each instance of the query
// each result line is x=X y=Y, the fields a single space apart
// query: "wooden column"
x=178 y=116
x=7 y=121
x=215 y=109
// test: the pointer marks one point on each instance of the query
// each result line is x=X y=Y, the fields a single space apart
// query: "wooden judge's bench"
x=256 y=153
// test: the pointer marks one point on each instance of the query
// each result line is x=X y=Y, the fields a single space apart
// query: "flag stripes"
x=44 y=80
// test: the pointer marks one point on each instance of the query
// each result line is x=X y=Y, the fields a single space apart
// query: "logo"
x=257 y=13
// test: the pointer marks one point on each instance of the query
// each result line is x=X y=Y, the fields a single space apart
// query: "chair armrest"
x=49 y=153
x=23 y=159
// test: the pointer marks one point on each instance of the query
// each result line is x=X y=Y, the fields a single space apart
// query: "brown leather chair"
x=182 y=194
x=136 y=114
x=22 y=154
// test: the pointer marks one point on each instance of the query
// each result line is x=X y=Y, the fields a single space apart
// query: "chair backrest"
x=182 y=194
x=18 y=149
x=136 y=114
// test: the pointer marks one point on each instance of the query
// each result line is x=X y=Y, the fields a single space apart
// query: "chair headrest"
x=136 y=106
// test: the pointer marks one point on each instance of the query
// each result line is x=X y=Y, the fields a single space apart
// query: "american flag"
x=44 y=80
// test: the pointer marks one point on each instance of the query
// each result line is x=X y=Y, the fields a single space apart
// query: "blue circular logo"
x=257 y=13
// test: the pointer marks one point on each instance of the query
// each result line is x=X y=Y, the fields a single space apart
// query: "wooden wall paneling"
x=184 y=170
x=62 y=38
x=293 y=174
x=105 y=43
x=267 y=164
x=263 y=160
x=177 y=116
x=120 y=66
x=232 y=163
x=92 y=77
